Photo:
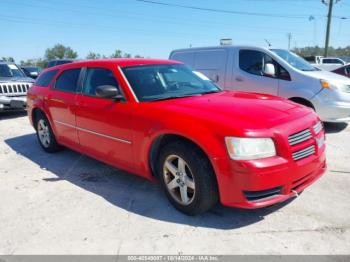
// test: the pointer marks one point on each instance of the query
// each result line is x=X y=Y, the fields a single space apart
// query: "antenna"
x=268 y=43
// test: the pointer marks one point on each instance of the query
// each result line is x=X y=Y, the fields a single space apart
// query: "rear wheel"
x=45 y=135
x=187 y=178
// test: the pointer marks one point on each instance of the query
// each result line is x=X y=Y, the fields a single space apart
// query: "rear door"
x=61 y=105
x=104 y=125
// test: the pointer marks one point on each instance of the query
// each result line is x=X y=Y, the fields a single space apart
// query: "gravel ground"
x=67 y=203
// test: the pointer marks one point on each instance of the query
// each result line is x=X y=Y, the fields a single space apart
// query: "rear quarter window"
x=45 y=78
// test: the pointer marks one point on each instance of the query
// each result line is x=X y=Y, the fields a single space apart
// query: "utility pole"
x=289 y=35
x=329 y=19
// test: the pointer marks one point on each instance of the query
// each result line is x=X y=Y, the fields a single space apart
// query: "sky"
x=29 y=27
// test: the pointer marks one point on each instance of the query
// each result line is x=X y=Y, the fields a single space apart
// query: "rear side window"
x=45 y=78
x=68 y=80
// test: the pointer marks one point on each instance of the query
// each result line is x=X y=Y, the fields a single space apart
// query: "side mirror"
x=269 y=70
x=108 y=91
x=33 y=74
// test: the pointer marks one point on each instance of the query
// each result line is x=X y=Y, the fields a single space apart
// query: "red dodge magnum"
x=161 y=120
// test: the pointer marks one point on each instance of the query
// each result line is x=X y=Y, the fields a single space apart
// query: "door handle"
x=239 y=79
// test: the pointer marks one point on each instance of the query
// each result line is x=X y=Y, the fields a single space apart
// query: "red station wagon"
x=161 y=120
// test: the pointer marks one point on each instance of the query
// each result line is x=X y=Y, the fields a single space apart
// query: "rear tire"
x=187 y=178
x=45 y=135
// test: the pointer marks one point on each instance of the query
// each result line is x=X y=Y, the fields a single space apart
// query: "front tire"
x=187 y=178
x=45 y=134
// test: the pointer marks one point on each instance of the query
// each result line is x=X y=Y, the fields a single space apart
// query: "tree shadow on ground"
x=130 y=192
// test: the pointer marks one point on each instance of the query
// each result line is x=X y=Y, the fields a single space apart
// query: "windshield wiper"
x=211 y=92
x=172 y=97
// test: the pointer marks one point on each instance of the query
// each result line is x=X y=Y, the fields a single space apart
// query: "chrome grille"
x=317 y=128
x=14 y=88
x=308 y=151
x=299 y=137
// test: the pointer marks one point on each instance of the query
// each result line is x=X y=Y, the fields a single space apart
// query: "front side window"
x=98 y=77
x=160 y=82
x=45 y=79
x=10 y=70
x=253 y=61
x=68 y=80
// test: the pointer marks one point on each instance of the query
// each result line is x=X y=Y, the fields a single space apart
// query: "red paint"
x=205 y=120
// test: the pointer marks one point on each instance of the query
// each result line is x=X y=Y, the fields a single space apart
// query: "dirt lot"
x=66 y=203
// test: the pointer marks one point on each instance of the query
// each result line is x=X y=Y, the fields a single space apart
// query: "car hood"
x=254 y=111
x=16 y=79
x=329 y=76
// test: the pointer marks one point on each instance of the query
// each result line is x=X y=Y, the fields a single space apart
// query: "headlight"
x=250 y=148
x=335 y=86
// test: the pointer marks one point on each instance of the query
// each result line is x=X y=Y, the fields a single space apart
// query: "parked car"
x=160 y=120
x=344 y=70
x=59 y=62
x=13 y=87
x=31 y=71
x=325 y=63
x=276 y=72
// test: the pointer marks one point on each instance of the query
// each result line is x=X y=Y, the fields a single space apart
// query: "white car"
x=14 y=85
x=272 y=71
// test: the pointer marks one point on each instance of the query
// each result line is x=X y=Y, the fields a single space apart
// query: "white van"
x=272 y=71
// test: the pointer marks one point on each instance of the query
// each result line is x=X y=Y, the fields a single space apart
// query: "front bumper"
x=332 y=106
x=13 y=102
x=264 y=182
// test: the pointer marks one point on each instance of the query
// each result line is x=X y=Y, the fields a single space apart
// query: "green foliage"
x=319 y=51
x=117 y=54
x=60 y=51
x=8 y=59
x=34 y=62
x=92 y=55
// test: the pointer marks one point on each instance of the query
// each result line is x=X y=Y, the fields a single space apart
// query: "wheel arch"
x=162 y=140
x=302 y=101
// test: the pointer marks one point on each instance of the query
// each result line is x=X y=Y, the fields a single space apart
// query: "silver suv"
x=13 y=87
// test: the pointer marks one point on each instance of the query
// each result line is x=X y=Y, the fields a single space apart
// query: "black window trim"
x=277 y=65
x=83 y=78
x=53 y=87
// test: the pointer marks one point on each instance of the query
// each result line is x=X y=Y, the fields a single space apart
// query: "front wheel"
x=45 y=135
x=187 y=178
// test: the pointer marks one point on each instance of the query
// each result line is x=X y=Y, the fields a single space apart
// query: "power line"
x=294 y=16
x=205 y=23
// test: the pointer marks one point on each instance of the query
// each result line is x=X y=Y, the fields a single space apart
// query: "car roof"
x=123 y=62
x=221 y=47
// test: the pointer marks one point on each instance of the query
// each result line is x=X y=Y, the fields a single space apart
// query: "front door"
x=104 y=125
x=249 y=76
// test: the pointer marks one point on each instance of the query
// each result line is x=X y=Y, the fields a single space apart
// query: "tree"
x=60 y=51
x=34 y=62
x=8 y=59
x=138 y=56
x=318 y=51
x=127 y=55
x=117 y=54
x=92 y=55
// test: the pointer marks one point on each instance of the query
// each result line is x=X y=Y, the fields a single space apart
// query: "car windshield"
x=10 y=70
x=168 y=81
x=294 y=60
